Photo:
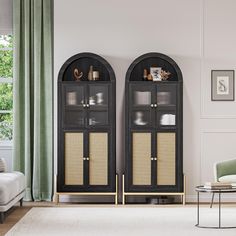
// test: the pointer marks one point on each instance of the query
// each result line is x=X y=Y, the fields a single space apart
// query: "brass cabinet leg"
x=56 y=198
x=184 y=196
x=56 y=195
x=116 y=196
x=183 y=199
x=123 y=189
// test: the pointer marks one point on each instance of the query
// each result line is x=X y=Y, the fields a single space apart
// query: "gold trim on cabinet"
x=183 y=194
x=115 y=194
x=123 y=189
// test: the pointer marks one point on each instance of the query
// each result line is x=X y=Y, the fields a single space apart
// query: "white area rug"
x=122 y=221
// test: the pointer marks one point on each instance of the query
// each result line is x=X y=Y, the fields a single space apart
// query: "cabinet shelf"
x=73 y=107
x=159 y=107
x=91 y=107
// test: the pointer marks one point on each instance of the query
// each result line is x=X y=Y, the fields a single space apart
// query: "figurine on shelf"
x=90 y=74
x=139 y=119
x=149 y=77
x=92 y=100
x=95 y=75
x=92 y=121
x=71 y=98
x=100 y=99
x=77 y=74
x=145 y=74
x=165 y=75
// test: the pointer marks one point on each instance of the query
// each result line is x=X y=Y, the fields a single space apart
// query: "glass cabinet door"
x=166 y=95
x=98 y=99
x=74 y=158
x=141 y=158
x=166 y=101
x=166 y=156
x=74 y=105
x=142 y=101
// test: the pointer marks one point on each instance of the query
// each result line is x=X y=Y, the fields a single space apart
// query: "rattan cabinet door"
x=98 y=158
x=74 y=154
x=141 y=158
x=166 y=156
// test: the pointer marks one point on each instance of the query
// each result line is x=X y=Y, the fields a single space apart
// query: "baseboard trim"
x=86 y=199
x=207 y=198
x=231 y=198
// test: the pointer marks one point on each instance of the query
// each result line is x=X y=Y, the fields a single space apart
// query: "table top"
x=201 y=188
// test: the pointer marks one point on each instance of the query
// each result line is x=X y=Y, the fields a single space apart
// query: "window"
x=6 y=88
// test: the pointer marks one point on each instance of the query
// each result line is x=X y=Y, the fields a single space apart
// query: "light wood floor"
x=16 y=213
x=12 y=217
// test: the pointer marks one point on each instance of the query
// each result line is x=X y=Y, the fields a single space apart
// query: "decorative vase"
x=100 y=99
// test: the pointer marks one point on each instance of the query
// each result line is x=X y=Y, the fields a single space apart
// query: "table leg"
x=217 y=226
x=219 y=209
x=198 y=208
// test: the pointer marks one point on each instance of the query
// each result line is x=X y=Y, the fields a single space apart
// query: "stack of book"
x=217 y=185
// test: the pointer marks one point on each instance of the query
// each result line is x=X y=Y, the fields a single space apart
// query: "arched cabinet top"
x=146 y=61
x=82 y=63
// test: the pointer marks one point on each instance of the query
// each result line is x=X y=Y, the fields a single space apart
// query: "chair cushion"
x=11 y=184
x=228 y=178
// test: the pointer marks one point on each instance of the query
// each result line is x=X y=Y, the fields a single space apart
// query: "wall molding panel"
x=219 y=147
x=205 y=79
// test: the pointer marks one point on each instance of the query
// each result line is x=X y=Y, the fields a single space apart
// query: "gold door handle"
x=152 y=105
x=87 y=158
x=155 y=105
x=152 y=159
x=84 y=158
x=155 y=158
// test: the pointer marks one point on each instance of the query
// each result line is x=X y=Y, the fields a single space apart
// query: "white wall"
x=6 y=9
x=198 y=34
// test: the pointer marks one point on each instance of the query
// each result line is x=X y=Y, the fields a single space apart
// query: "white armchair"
x=12 y=189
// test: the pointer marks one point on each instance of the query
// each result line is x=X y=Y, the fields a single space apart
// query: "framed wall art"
x=222 y=85
x=155 y=72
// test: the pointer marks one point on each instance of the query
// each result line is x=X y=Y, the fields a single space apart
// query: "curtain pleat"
x=33 y=81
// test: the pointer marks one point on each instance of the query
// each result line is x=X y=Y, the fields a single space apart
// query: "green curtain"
x=33 y=96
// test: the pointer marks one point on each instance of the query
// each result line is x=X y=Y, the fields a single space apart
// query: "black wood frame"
x=107 y=79
x=134 y=77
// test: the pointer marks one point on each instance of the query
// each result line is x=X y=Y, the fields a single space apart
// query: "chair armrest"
x=224 y=168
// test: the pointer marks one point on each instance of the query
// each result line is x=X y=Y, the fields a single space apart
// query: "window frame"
x=6 y=144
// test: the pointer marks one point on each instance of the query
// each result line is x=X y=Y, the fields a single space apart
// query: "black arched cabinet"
x=154 y=127
x=86 y=127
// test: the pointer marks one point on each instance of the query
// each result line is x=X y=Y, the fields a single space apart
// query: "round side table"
x=201 y=189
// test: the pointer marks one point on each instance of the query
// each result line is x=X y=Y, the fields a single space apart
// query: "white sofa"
x=12 y=190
